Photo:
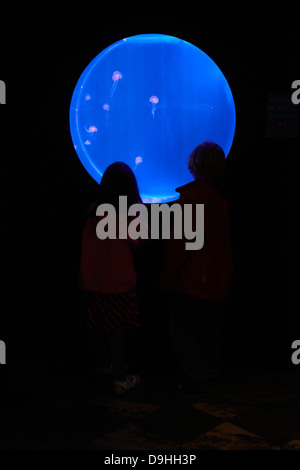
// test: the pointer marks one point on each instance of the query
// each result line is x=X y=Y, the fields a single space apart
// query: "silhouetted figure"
x=107 y=275
x=198 y=280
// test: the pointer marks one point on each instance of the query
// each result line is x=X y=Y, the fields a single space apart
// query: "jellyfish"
x=88 y=97
x=116 y=76
x=154 y=100
x=138 y=160
x=91 y=129
x=106 y=109
x=87 y=142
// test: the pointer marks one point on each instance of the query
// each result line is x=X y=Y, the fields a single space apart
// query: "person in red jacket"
x=198 y=280
x=107 y=275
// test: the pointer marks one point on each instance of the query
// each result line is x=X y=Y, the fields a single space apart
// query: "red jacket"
x=205 y=273
x=106 y=265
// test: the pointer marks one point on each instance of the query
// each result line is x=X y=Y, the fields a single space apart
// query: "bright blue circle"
x=149 y=100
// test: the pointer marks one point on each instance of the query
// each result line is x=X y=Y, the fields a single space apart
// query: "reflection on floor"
x=54 y=409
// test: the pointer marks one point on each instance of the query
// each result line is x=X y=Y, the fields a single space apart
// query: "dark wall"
x=46 y=190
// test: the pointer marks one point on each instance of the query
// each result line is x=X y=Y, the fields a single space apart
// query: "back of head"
x=207 y=161
x=119 y=180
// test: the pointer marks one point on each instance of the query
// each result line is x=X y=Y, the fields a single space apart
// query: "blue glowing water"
x=149 y=100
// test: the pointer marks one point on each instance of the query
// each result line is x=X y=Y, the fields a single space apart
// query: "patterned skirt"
x=113 y=312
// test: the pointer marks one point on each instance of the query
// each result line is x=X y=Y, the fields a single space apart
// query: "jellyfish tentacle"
x=154 y=100
x=116 y=76
x=113 y=89
x=105 y=107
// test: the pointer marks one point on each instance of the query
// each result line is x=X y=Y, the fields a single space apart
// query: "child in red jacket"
x=200 y=279
x=107 y=275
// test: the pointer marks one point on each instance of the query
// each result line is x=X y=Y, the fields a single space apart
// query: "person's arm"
x=145 y=230
x=174 y=256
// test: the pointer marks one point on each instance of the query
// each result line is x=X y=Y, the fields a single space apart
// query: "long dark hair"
x=118 y=180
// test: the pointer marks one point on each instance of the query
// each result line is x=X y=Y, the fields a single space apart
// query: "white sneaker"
x=130 y=382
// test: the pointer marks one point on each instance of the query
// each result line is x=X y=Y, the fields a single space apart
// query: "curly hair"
x=207 y=161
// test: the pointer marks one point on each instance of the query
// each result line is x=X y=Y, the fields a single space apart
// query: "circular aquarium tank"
x=149 y=100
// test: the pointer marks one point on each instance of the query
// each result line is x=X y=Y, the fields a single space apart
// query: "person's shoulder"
x=195 y=189
x=201 y=192
x=188 y=191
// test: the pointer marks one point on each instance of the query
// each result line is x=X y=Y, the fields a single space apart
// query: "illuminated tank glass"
x=149 y=100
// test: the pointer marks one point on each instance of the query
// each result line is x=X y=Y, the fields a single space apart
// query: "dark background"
x=45 y=190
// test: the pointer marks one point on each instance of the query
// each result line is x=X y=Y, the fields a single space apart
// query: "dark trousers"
x=109 y=350
x=195 y=330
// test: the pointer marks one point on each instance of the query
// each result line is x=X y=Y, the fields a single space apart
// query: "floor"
x=54 y=409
